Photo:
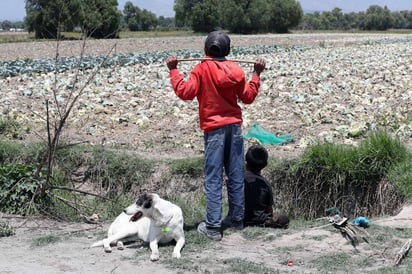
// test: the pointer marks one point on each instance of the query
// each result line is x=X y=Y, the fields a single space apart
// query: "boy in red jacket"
x=218 y=84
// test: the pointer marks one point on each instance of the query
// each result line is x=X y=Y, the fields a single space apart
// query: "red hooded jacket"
x=217 y=85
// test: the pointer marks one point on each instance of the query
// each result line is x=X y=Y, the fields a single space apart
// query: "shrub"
x=9 y=127
x=401 y=177
x=19 y=186
x=5 y=229
x=338 y=176
x=378 y=153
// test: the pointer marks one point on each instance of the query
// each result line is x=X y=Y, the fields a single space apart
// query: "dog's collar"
x=164 y=229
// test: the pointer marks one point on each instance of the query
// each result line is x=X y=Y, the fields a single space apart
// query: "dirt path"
x=46 y=246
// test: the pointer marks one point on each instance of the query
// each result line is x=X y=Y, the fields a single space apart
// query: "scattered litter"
x=265 y=137
x=349 y=231
x=92 y=219
x=361 y=221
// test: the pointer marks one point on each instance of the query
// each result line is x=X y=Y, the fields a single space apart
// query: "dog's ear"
x=148 y=203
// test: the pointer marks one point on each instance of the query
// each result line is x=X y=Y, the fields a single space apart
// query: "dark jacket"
x=258 y=199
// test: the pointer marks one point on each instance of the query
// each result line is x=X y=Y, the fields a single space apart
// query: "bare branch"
x=80 y=191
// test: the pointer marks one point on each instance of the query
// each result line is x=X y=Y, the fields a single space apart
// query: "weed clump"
x=357 y=180
x=5 y=229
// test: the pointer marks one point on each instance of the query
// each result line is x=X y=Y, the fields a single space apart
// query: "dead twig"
x=403 y=252
x=80 y=191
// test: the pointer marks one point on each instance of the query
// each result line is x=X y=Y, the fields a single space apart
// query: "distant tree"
x=233 y=16
x=407 y=15
x=165 y=22
x=183 y=9
x=245 y=16
x=131 y=15
x=377 y=18
x=6 y=25
x=399 y=22
x=204 y=16
x=137 y=19
x=285 y=14
x=350 y=21
x=336 y=21
x=100 y=18
x=238 y=16
x=48 y=18
x=149 y=20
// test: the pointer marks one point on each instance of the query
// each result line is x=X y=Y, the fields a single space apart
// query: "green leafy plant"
x=5 y=229
x=19 y=186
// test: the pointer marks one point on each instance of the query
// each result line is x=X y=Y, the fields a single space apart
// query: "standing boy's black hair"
x=217 y=44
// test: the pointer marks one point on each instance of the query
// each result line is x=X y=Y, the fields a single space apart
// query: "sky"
x=13 y=10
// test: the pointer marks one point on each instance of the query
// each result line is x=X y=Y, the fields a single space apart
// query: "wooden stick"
x=215 y=59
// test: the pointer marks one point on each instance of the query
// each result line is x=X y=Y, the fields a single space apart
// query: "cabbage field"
x=332 y=87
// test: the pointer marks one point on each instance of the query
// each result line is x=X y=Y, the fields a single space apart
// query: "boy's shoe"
x=227 y=223
x=213 y=234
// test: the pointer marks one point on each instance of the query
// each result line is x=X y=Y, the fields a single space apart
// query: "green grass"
x=237 y=265
x=157 y=34
x=16 y=152
x=401 y=176
x=16 y=37
x=325 y=175
x=349 y=178
x=187 y=166
x=10 y=128
x=45 y=240
x=378 y=153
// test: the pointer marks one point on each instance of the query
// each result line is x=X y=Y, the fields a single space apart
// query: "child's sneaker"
x=227 y=223
x=213 y=234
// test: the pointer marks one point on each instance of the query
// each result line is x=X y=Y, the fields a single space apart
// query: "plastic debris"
x=265 y=137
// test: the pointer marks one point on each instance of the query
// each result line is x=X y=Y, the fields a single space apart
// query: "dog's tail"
x=96 y=244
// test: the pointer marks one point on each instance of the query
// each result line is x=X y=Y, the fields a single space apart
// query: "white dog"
x=150 y=219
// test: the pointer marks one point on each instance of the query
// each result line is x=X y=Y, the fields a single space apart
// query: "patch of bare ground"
x=46 y=246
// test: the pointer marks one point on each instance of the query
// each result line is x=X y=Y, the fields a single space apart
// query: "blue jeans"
x=224 y=150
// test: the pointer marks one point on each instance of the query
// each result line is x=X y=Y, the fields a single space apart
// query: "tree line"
x=7 y=25
x=102 y=19
x=375 y=18
x=95 y=18
x=238 y=16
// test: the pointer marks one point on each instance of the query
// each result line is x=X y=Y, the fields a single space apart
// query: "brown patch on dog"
x=136 y=216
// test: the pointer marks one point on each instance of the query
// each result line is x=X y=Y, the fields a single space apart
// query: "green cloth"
x=265 y=137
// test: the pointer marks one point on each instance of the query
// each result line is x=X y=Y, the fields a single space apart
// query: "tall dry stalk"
x=56 y=120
